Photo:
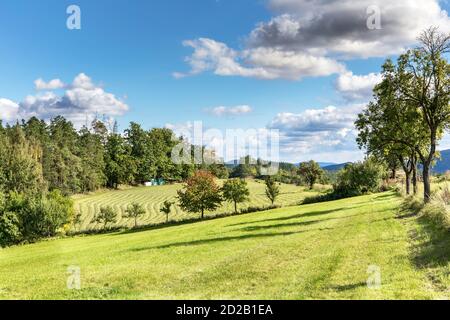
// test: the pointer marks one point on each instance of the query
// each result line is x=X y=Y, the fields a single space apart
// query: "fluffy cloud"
x=82 y=101
x=230 y=111
x=260 y=63
x=341 y=26
x=51 y=85
x=318 y=133
x=355 y=87
x=8 y=109
x=309 y=38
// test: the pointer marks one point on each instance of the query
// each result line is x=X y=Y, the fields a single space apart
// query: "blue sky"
x=137 y=65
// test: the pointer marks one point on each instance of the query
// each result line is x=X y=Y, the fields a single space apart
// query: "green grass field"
x=152 y=198
x=320 y=251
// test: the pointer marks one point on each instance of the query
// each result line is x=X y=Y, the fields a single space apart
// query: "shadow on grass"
x=348 y=287
x=301 y=215
x=223 y=239
x=300 y=224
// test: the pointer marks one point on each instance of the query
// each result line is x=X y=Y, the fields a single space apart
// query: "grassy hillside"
x=152 y=199
x=319 y=251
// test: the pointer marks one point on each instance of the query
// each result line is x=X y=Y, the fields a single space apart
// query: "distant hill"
x=336 y=167
x=326 y=164
x=443 y=165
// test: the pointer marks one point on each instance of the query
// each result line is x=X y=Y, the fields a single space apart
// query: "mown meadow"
x=152 y=199
x=318 y=251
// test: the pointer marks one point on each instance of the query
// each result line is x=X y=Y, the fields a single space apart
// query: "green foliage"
x=359 y=178
x=311 y=173
x=20 y=169
x=134 y=211
x=105 y=216
x=200 y=194
x=9 y=225
x=120 y=166
x=28 y=217
x=236 y=191
x=272 y=189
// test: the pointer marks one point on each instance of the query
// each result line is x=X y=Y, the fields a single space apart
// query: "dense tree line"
x=41 y=164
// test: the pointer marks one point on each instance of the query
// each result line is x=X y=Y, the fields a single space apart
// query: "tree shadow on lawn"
x=348 y=287
x=301 y=215
x=222 y=239
x=299 y=224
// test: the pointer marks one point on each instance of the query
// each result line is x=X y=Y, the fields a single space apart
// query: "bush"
x=9 y=229
x=31 y=217
x=359 y=178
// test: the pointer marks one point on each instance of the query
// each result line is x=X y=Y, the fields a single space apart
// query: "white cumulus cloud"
x=8 y=109
x=310 y=38
x=230 y=111
x=51 y=85
x=318 y=133
x=357 y=87
x=82 y=101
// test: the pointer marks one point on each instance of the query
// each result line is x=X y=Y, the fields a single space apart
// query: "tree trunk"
x=408 y=183
x=427 y=168
x=414 y=176
x=167 y=218
x=426 y=182
x=135 y=222
x=394 y=174
x=203 y=213
x=235 y=207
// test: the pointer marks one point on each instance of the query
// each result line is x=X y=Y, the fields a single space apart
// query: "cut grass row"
x=152 y=198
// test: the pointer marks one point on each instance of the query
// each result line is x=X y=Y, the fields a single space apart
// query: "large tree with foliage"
x=119 y=164
x=236 y=191
x=424 y=81
x=391 y=129
x=311 y=172
x=200 y=193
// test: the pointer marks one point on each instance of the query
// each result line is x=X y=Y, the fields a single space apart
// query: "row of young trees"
x=201 y=192
x=410 y=110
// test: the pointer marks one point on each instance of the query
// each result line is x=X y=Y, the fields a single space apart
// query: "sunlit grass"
x=319 y=251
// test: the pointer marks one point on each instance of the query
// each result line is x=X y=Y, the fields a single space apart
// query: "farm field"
x=319 y=251
x=152 y=198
